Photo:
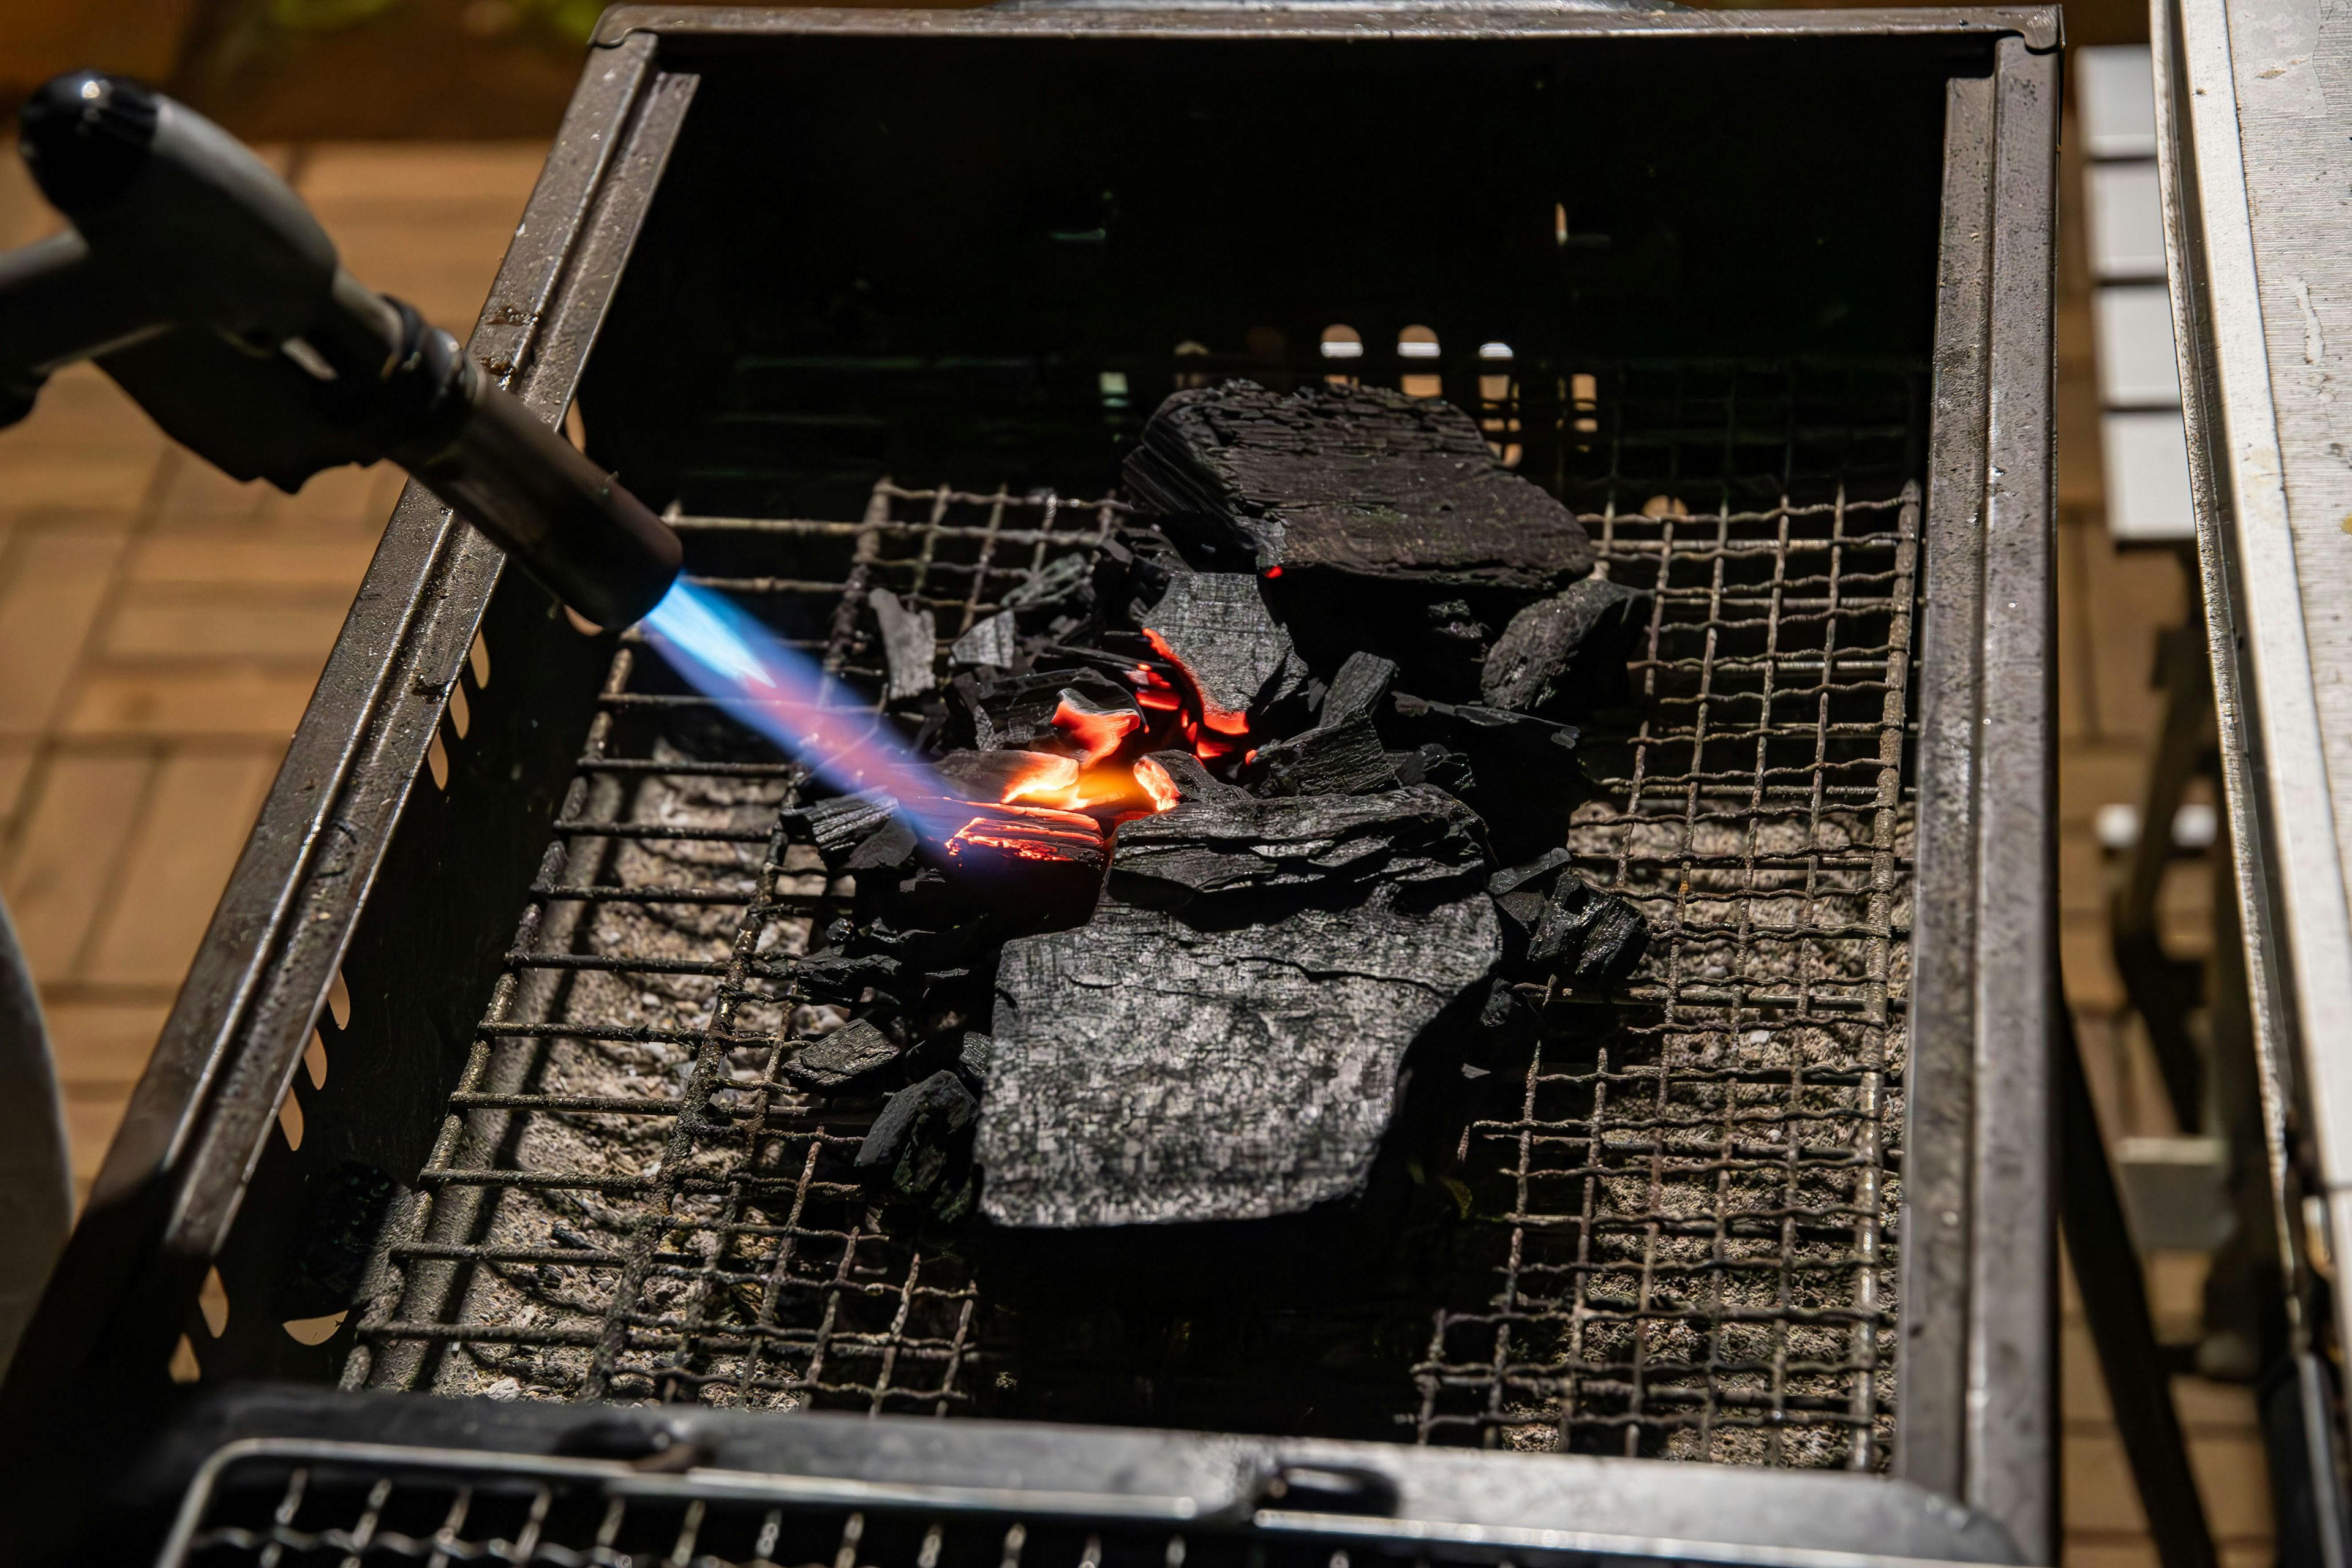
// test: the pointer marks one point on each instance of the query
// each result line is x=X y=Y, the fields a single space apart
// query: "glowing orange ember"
x=1153 y=690
x=1215 y=718
x=1096 y=735
x=1157 y=784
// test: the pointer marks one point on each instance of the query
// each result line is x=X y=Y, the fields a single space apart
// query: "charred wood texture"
x=1341 y=758
x=1565 y=657
x=910 y=645
x=855 y=1055
x=918 y=1150
x=1215 y=628
x=1354 y=481
x=1017 y=713
x=1213 y=847
x=1150 y=1072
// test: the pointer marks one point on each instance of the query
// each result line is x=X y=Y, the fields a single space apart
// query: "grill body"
x=1785 y=349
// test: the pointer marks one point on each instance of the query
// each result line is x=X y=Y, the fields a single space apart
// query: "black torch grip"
x=567 y=523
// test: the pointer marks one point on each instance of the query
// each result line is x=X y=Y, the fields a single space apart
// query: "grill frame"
x=1978 y=1355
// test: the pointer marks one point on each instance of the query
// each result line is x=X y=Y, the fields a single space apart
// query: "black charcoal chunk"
x=1017 y=713
x=995 y=642
x=892 y=844
x=834 y=975
x=1412 y=835
x=850 y=1058
x=1150 y=1072
x=838 y=825
x=919 y=1148
x=1512 y=877
x=1341 y=758
x=974 y=1059
x=1360 y=686
x=909 y=644
x=1565 y=656
x=1355 y=482
x=1215 y=628
x=1590 y=939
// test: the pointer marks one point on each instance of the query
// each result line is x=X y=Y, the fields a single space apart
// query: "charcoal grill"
x=473 y=1088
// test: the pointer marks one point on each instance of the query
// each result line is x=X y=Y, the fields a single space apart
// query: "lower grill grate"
x=1675 y=1237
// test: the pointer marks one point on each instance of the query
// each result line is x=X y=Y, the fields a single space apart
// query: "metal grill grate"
x=1682 y=1241
x=359 y=1504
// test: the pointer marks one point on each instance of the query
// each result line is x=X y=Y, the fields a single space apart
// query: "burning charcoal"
x=995 y=642
x=1567 y=655
x=992 y=775
x=909 y=644
x=1017 y=713
x=1184 y=778
x=1589 y=938
x=850 y=1058
x=839 y=825
x=1359 y=687
x=919 y=1148
x=1150 y=1072
x=1094 y=728
x=1415 y=834
x=1342 y=758
x=1355 y=482
x=1215 y=628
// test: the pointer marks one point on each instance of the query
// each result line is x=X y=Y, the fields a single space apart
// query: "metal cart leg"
x=2114 y=1299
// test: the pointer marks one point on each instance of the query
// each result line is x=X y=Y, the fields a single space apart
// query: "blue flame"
x=726 y=652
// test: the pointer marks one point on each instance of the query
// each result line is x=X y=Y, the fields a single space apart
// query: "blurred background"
x=161 y=628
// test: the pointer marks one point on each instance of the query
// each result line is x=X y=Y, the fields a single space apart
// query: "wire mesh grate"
x=1678 y=1239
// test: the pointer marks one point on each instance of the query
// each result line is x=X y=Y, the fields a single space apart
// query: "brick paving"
x=161 y=630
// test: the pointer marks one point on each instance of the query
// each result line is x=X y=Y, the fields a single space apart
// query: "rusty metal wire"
x=1678 y=1238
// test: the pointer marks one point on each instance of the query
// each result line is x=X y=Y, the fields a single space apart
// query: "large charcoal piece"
x=1356 y=481
x=1215 y=628
x=1150 y=1071
x=1418 y=835
x=909 y=644
x=1017 y=713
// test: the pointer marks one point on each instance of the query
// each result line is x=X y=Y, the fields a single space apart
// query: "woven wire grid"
x=1703 y=1177
x=303 y=1505
x=1690 y=1215
x=628 y=1199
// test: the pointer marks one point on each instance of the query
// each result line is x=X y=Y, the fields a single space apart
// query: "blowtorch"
x=195 y=277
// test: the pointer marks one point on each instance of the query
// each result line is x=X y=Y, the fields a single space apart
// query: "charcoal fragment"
x=835 y=976
x=1431 y=764
x=974 y=1059
x=1590 y=939
x=1017 y=713
x=1191 y=780
x=987 y=775
x=1512 y=877
x=1565 y=656
x=839 y=824
x=1150 y=1071
x=919 y=1148
x=1412 y=836
x=1361 y=684
x=1341 y=758
x=850 y=1058
x=1477 y=726
x=994 y=643
x=910 y=645
x=1353 y=482
x=1215 y=628
x=893 y=844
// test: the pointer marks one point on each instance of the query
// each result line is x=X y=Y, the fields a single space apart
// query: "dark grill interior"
x=1674 y=1236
